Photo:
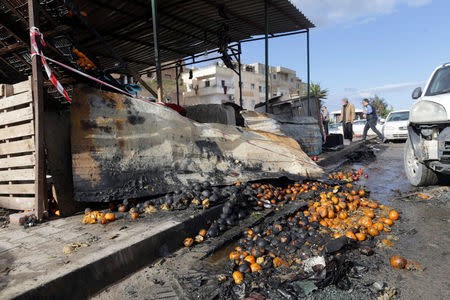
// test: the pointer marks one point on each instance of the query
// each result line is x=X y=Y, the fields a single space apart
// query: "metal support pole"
x=266 y=21
x=309 y=79
x=240 y=75
x=156 y=49
x=38 y=100
x=178 y=89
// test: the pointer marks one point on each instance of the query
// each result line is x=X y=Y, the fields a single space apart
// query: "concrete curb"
x=89 y=279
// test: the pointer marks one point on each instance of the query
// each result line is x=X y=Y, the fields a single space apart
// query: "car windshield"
x=398 y=116
x=440 y=84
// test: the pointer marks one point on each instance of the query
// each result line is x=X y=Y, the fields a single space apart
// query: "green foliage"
x=381 y=106
x=317 y=92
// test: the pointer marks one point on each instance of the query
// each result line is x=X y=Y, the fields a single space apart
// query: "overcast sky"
x=365 y=47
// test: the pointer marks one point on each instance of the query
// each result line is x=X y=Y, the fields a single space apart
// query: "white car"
x=358 y=128
x=396 y=125
x=427 y=151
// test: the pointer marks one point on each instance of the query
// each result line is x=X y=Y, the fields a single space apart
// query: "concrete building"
x=169 y=85
x=218 y=84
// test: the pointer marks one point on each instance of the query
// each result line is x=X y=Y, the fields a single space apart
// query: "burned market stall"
x=100 y=49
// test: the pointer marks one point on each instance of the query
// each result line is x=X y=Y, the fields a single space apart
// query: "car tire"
x=418 y=174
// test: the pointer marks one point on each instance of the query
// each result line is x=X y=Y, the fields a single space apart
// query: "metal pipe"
x=274 y=36
x=156 y=49
x=307 y=63
x=266 y=21
x=240 y=75
x=178 y=90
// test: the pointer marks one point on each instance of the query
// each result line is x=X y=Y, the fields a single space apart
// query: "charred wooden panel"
x=124 y=148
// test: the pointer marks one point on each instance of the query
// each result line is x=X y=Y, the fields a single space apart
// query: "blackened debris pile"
x=310 y=244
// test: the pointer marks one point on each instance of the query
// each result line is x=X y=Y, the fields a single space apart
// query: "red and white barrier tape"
x=34 y=32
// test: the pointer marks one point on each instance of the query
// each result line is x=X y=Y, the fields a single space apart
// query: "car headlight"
x=427 y=111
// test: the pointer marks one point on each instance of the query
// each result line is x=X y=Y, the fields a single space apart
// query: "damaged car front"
x=427 y=151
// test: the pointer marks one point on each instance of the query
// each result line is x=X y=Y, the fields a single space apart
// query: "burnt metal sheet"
x=125 y=148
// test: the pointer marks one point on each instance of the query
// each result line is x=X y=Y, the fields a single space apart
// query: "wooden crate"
x=17 y=147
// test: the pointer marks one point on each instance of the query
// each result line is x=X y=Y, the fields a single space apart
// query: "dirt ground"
x=421 y=235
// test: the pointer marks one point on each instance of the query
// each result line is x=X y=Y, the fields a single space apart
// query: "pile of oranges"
x=84 y=61
x=92 y=217
x=269 y=195
x=348 y=176
x=346 y=211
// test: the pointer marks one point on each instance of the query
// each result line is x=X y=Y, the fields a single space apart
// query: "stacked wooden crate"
x=17 y=147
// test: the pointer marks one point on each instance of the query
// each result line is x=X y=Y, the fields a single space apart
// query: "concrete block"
x=19 y=218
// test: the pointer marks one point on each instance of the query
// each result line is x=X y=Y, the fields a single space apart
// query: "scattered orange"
x=360 y=236
x=398 y=262
x=238 y=277
x=255 y=267
x=110 y=217
x=350 y=235
x=188 y=242
x=373 y=231
x=393 y=215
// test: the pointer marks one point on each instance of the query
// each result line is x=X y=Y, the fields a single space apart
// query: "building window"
x=191 y=86
x=207 y=83
x=260 y=89
x=292 y=79
x=223 y=82
x=253 y=86
x=274 y=76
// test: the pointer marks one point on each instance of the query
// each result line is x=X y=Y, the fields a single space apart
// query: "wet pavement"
x=421 y=235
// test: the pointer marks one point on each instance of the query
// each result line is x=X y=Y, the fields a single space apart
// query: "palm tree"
x=317 y=93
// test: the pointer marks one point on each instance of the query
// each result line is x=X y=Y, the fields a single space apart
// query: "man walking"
x=347 y=117
x=371 y=116
x=325 y=119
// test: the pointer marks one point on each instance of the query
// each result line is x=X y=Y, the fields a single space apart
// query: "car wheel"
x=417 y=173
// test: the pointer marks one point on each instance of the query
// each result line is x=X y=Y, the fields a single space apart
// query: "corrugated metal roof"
x=187 y=27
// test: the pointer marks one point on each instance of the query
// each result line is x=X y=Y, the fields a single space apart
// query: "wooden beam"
x=14 y=11
x=17 y=175
x=12 y=132
x=19 y=203
x=26 y=188
x=38 y=96
x=17 y=115
x=11 y=48
x=17 y=161
x=17 y=147
x=10 y=66
x=15 y=100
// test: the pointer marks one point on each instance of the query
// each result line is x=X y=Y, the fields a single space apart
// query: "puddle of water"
x=218 y=259
x=387 y=176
